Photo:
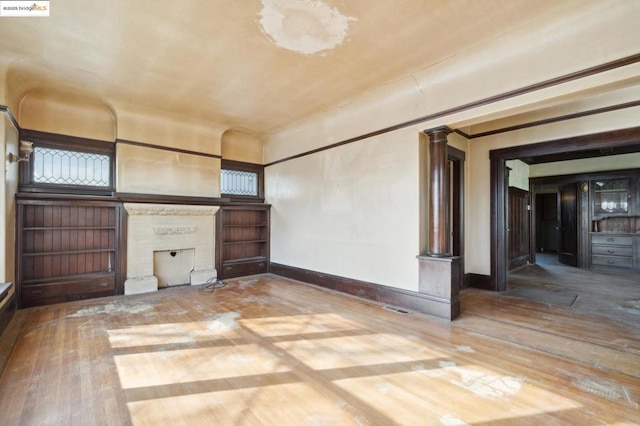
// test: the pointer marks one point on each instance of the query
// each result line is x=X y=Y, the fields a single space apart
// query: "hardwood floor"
x=268 y=350
x=606 y=294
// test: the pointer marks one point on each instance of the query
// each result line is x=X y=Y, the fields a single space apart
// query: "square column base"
x=439 y=280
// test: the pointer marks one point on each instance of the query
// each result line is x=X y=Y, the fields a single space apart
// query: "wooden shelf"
x=70 y=228
x=58 y=253
x=95 y=275
x=612 y=190
x=242 y=240
x=245 y=242
x=246 y=259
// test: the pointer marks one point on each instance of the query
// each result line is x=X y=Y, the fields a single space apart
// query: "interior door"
x=567 y=223
x=518 y=231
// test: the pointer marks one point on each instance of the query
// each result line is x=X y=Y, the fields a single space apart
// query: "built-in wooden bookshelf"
x=67 y=250
x=243 y=240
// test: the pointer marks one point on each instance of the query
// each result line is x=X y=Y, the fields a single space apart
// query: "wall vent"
x=397 y=310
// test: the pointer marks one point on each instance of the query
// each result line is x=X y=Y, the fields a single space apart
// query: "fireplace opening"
x=173 y=267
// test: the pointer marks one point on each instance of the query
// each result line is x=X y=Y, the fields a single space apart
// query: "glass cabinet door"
x=611 y=197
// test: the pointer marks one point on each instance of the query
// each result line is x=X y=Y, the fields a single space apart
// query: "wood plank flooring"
x=266 y=350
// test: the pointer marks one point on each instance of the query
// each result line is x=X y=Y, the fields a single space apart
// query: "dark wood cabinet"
x=242 y=236
x=616 y=252
x=66 y=250
x=615 y=215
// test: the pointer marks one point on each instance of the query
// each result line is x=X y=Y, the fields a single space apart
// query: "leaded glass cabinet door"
x=611 y=197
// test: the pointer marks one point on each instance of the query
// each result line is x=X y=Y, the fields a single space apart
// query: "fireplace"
x=153 y=228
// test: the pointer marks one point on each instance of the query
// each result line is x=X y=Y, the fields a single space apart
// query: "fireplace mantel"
x=155 y=227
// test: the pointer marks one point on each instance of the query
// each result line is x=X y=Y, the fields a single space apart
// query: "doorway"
x=595 y=145
x=546 y=222
x=555 y=221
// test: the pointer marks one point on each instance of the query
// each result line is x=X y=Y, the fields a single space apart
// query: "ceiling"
x=253 y=64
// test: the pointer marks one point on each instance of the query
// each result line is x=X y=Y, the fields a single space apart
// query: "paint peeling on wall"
x=304 y=26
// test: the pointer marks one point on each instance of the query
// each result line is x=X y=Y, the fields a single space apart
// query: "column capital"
x=437 y=134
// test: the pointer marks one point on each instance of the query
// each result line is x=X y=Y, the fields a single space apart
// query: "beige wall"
x=350 y=211
x=153 y=171
x=157 y=171
x=359 y=210
x=67 y=114
x=139 y=169
x=8 y=143
x=243 y=146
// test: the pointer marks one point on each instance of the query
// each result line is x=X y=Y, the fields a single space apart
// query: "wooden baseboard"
x=518 y=262
x=406 y=299
x=478 y=281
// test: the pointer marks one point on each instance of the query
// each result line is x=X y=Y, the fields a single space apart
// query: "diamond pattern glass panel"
x=70 y=167
x=236 y=182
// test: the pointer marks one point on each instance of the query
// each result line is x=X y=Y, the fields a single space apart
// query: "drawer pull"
x=610 y=240
x=36 y=292
x=261 y=265
x=611 y=262
x=611 y=251
x=104 y=284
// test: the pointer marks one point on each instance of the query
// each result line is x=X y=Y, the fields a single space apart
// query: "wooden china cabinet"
x=615 y=215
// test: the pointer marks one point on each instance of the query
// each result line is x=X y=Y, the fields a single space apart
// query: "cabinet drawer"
x=612 y=240
x=238 y=269
x=618 y=262
x=612 y=250
x=40 y=294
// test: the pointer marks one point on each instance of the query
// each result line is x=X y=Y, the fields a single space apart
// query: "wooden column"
x=439 y=229
x=440 y=273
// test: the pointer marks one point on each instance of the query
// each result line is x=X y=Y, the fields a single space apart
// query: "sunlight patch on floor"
x=354 y=351
x=194 y=365
x=220 y=325
x=259 y=405
x=480 y=396
x=299 y=324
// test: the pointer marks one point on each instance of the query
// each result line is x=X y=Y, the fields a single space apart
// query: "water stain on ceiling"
x=304 y=26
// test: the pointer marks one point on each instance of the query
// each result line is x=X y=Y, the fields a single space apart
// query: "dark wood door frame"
x=604 y=141
x=457 y=158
